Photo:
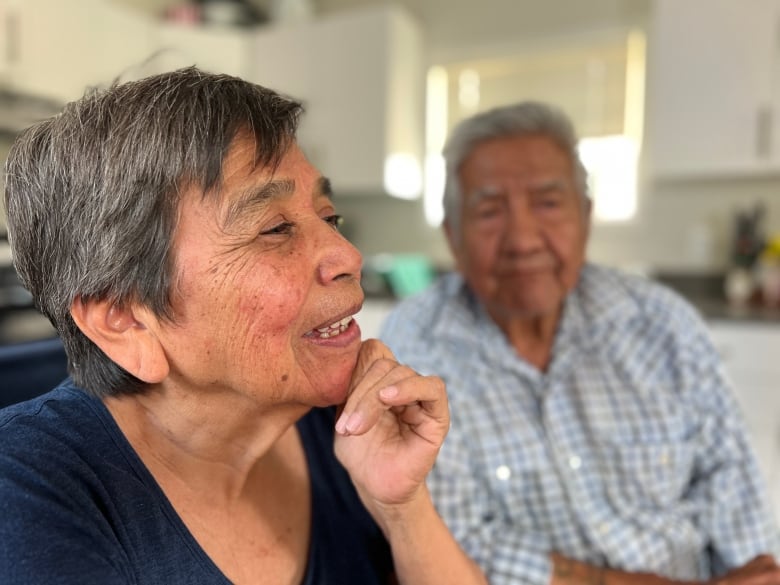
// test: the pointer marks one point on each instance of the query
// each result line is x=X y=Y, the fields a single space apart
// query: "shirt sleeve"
x=463 y=498
x=728 y=486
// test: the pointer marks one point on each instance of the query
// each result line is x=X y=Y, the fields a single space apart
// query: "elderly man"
x=594 y=437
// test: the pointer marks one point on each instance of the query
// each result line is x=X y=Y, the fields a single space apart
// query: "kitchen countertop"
x=705 y=292
x=720 y=309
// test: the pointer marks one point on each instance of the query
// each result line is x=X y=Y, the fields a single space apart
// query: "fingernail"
x=341 y=424
x=389 y=392
x=353 y=422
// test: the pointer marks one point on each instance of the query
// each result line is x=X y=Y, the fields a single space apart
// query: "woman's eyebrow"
x=255 y=197
x=324 y=188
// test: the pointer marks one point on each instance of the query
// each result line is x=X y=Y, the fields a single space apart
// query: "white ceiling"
x=453 y=23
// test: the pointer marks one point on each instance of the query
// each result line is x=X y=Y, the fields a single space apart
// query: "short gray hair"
x=520 y=119
x=92 y=194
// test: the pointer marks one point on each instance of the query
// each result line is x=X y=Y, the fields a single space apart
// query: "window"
x=598 y=82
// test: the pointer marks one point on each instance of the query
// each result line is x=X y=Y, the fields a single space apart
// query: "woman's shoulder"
x=58 y=416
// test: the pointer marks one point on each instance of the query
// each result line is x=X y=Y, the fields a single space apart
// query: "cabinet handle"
x=764 y=131
x=11 y=26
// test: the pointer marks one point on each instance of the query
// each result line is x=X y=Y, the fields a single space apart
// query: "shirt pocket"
x=648 y=475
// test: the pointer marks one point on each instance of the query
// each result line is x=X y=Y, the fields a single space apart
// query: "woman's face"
x=265 y=288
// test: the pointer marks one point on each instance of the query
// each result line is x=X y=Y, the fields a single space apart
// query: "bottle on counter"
x=768 y=273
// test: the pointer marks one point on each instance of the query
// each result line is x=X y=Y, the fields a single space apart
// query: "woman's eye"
x=334 y=220
x=279 y=229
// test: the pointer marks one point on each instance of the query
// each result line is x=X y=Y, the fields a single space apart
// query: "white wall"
x=682 y=226
x=675 y=218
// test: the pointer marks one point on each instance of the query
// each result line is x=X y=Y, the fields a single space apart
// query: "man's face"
x=265 y=287
x=524 y=226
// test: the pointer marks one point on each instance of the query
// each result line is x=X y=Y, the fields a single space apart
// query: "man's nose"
x=523 y=229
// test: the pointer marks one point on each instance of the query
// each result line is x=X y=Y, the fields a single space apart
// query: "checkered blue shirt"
x=630 y=452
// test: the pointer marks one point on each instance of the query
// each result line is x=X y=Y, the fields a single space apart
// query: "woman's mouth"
x=331 y=330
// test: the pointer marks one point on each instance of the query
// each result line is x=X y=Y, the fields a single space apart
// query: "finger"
x=428 y=416
x=413 y=399
x=370 y=375
x=429 y=392
x=364 y=406
x=418 y=388
x=372 y=352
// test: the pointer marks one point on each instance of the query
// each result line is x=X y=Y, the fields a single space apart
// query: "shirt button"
x=603 y=528
x=503 y=472
x=575 y=462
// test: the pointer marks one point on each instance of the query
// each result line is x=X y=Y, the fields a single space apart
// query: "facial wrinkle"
x=253 y=200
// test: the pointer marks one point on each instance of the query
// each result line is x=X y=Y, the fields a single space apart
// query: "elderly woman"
x=189 y=257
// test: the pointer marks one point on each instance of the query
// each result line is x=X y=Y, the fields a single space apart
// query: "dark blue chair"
x=30 y=369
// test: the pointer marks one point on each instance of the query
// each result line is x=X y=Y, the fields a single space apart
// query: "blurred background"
x=677 y=103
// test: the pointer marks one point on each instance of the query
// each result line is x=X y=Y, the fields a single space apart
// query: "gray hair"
x=92 y=194
x=521 y=119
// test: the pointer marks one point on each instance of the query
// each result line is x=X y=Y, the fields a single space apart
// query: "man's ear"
x=123 y=334
x=587 y=213
x=453 y=241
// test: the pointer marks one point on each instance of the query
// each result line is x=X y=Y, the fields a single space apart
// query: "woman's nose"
x=339 y=258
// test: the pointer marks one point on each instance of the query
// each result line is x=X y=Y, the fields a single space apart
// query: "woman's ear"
x=123 y=334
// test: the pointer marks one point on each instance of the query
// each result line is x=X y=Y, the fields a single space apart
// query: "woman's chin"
x=334 y=386
x=326 y=366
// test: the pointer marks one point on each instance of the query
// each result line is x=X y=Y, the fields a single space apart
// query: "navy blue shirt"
x=77 y=506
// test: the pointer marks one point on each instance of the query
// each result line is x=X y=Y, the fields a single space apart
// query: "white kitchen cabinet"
x=360 y=75
x=8 y=16
x=212 y=48
x=713 y=103
x=57 y=49
x=750 y=355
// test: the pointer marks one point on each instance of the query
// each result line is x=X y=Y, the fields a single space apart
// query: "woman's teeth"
x=333 y=329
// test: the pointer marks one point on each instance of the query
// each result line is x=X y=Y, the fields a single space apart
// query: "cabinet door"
x=749 y=353
x=712 y=96
x=8 y=28
x=361 y=79
x=62 y=48
x=121 y=42
x=215 y=49
x=283 y=58
x=47 y=47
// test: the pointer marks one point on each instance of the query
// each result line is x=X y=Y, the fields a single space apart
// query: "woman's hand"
x=390 y=428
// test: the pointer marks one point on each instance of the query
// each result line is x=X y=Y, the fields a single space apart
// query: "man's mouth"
x=331 y=330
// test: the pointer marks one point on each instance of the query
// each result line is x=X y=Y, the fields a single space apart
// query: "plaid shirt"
x=629 y=452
